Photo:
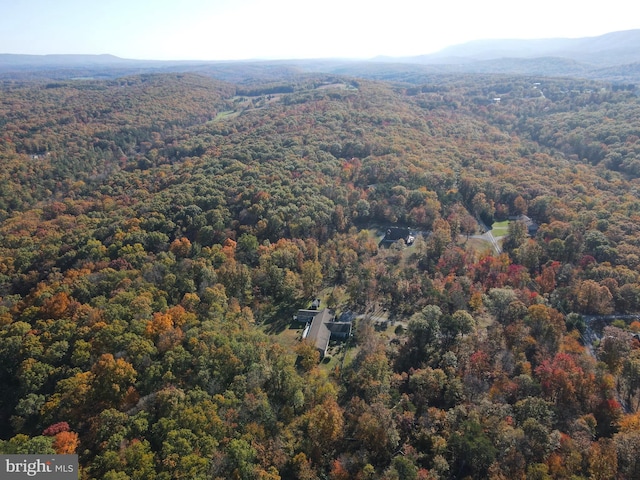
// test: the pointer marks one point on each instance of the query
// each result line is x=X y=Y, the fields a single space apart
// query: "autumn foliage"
x=159 y=232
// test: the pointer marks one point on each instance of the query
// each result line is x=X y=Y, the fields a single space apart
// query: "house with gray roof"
x=321 y=326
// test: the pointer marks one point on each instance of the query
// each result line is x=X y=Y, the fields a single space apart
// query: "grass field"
x=290 y=337
x=476 y=244
x=500 y=229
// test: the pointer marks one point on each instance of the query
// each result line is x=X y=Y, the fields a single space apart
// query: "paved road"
x=494 y=242
x=488 y=236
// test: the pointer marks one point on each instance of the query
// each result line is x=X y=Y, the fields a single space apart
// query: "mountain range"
x=613 y=57
x=602 y=51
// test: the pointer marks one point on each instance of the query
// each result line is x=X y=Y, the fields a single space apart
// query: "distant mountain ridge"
x=7 y=59
x=611 y=57
x=602 y=51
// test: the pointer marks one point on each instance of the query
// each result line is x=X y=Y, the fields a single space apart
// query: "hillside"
x=159 y=232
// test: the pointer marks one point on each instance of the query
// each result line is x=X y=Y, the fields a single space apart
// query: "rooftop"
x=319 y=333
x=322 y=326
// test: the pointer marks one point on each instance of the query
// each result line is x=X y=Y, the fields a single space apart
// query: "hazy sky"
x=271 y=29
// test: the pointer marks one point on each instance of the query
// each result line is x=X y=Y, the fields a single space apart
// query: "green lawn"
x=289 y=337
x=226 y=114
x=500 y=229
x=337 y=354
x=476 y=244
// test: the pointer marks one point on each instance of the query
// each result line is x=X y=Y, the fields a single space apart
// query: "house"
x=321 y=326
x=319 y=334
x=339 y=329
x=305 y=316
x=393 y=234
x=532 y=227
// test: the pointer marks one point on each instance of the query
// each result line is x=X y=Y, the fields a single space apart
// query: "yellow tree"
x=311 y=275
x=592 y=298
x=603 y=460
x=112 y=378
x=324 y=425
x=308 y=354
x=66 y=443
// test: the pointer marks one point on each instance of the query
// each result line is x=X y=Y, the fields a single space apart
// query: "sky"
x=288 y=29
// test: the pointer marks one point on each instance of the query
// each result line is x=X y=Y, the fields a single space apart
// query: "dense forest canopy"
x=160 y=231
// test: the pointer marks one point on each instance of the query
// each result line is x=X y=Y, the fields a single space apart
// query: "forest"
x=159 y=231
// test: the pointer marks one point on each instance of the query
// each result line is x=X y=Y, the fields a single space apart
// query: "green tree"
x=247 y=249
x=460 y=323
x=242 y=459
x=471 y=451
x=516 y=236
x=424 y=327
